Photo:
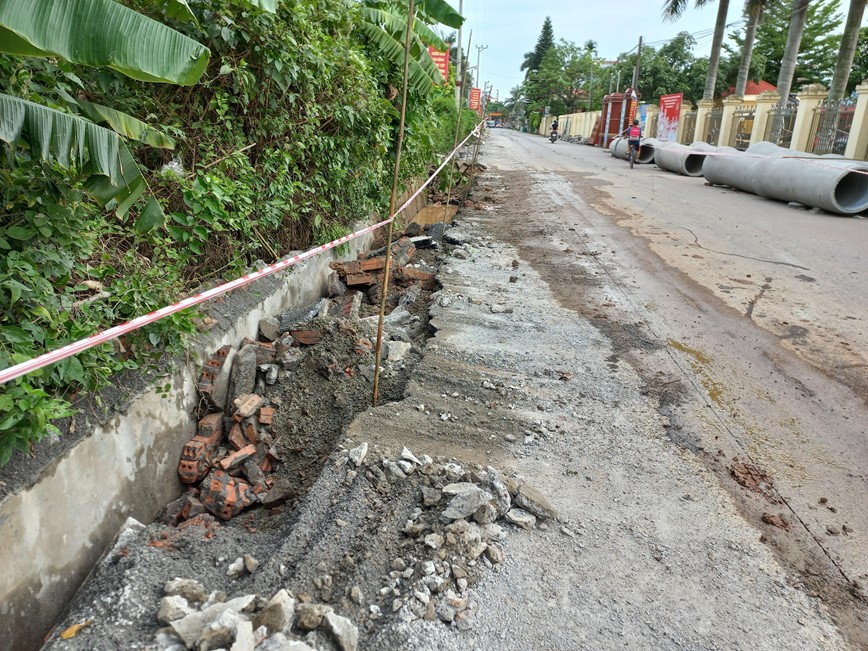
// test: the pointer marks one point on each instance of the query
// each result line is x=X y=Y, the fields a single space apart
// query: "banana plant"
x=95 y=33
x=180 y=9
x=384 y=24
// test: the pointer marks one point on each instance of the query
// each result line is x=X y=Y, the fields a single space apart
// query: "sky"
x=511 y=27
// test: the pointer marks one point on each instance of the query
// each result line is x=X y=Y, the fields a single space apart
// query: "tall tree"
x=673 y=9
x=563 y=78
x=847 y=51
x=533 y=60
x=860 y=61
x=673 y=68
x=753 y=11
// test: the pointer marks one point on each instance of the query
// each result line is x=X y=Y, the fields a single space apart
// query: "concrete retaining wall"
x=55 y=530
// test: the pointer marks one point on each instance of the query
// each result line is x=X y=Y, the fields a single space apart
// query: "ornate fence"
x=742 y=127
x=830 y=127
x=713 y=122
x=688 y=128
x=781 y=120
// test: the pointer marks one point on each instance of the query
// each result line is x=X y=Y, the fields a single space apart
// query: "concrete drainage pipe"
x=833 y=184
x=736 y=169
x=618 y=148
x=673 y=157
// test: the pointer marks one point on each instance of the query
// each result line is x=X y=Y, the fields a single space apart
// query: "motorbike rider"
x=634 y=137
x=554 y=128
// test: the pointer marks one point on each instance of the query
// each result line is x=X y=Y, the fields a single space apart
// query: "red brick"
x=210 y=371
x=266 y=415
x=225 y=496
x=362 y=278
x=236 y=437
x=306 y=337
x=210 y=426
x=251 y=433
x=246 y=405
x=238 y=457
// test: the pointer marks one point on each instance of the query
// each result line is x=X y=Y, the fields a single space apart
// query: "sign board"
x=441 y=60
x=475 y=96
x=670 y=112
x=631 y=107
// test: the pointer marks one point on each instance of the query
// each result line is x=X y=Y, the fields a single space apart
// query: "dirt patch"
x=754 y=479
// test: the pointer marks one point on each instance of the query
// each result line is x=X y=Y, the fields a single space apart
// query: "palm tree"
x=798 y=17
x=673 y=9
x=847 y=51
x=753 y=11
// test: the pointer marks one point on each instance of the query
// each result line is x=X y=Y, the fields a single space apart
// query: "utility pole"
x=636 y=69
x=458 y=78
x=479 y=49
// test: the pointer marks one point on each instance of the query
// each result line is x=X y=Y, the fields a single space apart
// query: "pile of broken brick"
x=227 y=464
x=368 y=272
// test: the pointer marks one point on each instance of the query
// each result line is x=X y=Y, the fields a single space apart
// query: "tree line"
x=787 y=43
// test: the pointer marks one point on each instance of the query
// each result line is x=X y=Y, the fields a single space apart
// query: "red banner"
x=441 y=60
x=670 y=113
x=475 y=96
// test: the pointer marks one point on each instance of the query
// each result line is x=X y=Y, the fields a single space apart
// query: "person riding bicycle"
x=634 y=137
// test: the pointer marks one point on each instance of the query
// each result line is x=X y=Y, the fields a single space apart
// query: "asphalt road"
x=746 y=317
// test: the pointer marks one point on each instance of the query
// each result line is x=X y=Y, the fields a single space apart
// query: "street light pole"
x=479 y=49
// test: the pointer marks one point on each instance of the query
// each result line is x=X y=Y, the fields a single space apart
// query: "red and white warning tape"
x=112 y=333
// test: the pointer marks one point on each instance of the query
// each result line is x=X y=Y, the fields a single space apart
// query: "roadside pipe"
x=833 y=184
x=674 y=157
x=618 y=149
x=733 y=168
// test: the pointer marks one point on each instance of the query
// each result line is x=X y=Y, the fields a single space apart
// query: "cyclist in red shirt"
x=634 y=137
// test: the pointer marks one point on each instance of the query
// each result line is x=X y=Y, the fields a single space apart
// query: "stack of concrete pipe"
x=618 y=149
x=834 y=184
x=673 y=157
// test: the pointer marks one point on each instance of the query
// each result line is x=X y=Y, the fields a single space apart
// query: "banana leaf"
x=125 y=124
x=115 y=179
x=177 y=10
x=440 y=11
x=265 y=5
x=396 y=23
x=101 y=33
x=392 y=46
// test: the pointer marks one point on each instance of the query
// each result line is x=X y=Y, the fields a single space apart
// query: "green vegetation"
x=283 y=136
x=567 y=78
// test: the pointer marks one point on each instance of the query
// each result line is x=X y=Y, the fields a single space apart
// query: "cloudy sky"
x=511 y=27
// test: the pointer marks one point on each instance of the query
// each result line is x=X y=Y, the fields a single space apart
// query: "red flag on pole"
x=475 y=96
x=441 y=60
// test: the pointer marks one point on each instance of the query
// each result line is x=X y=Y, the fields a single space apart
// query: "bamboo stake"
x=392 y=202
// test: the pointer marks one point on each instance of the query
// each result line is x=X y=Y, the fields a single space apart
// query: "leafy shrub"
x=287 y=141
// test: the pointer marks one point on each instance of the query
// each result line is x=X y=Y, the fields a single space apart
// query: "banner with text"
x=475 y=96
x=441 y=60
x=670 y=112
